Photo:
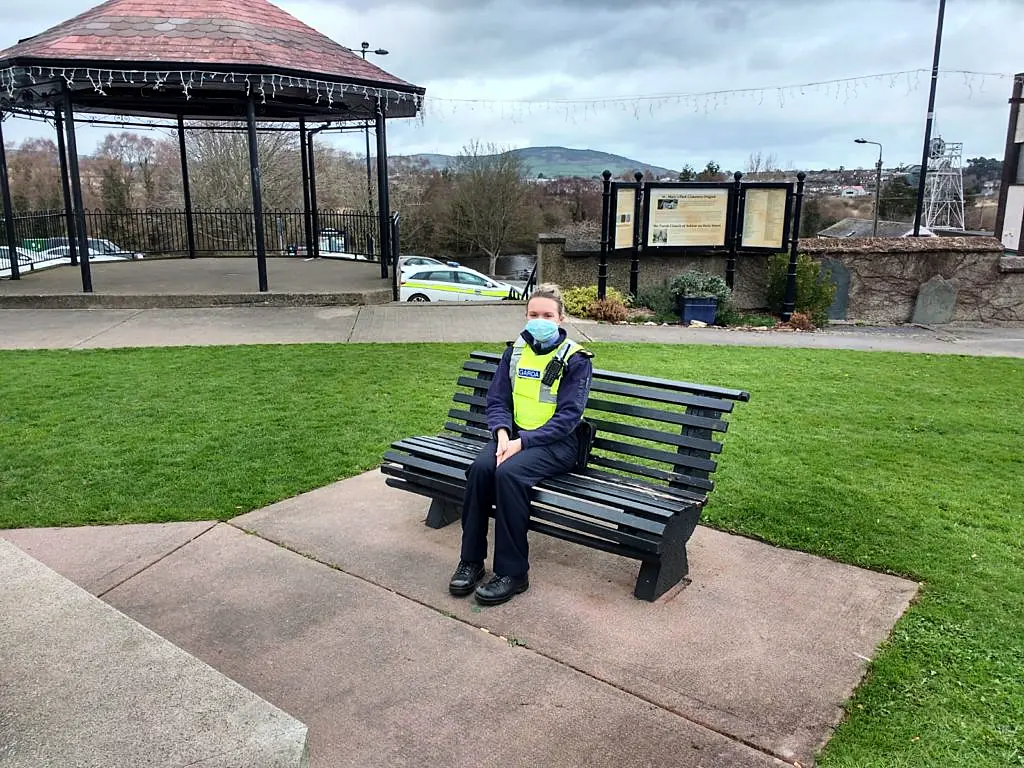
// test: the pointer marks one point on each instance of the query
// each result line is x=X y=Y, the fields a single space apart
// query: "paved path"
x=86 y=328
x=332 y=607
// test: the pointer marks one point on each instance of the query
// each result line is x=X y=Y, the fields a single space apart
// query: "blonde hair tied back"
x=549 y=291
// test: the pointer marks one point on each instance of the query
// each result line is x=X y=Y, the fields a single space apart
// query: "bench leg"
x=442 y=513
x=659 y=576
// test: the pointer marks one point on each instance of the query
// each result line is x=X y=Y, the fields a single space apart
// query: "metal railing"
x=163 y=232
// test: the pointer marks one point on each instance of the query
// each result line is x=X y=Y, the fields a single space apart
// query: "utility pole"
x=366 y=130
x=926 y=150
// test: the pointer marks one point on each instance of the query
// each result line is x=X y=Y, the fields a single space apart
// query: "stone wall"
x=879 y=280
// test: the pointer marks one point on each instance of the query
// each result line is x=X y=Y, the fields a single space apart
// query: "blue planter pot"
x=702 y=309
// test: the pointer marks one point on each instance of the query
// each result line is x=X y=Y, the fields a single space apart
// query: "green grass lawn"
x=910 y=464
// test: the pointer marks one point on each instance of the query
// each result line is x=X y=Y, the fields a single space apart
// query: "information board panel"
x=766 y=215
x=687 y=216
x=623 y=217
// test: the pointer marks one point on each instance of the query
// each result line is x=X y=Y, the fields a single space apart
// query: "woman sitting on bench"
x=534 y=406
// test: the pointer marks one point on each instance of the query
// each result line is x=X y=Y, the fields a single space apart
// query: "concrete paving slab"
x=100 y=557
x=765 y=645
x=57 y=329
x=84 y=685
x=382 y=680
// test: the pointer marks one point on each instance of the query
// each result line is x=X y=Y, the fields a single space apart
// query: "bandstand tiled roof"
x=238 y=36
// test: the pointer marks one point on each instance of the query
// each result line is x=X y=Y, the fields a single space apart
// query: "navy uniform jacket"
x=573 y=391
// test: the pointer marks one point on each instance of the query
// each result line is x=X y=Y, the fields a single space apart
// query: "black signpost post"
x=634 y=262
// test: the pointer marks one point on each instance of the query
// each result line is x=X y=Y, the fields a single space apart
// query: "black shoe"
x=501 y=589
x=465 y=578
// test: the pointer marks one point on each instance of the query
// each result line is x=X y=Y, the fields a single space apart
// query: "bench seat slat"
x=661 y=396
x=587 y=541
x=469 y=417
x=656 y=436
x=655 y=414
x=673 y=459
x=654 y=473
x=645 y=487
x=639 y=542
x=467 y=399
x=464 y=429
x=630 y=498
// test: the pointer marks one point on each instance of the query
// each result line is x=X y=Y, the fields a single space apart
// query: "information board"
x=695 y=217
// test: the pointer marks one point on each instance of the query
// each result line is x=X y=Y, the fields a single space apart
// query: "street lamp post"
x=366 y=130
x=878 y=180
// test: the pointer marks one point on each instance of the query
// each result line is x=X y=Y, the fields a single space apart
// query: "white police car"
x=445 y=283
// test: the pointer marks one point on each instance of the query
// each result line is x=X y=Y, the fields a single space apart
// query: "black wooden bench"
x=645 y=484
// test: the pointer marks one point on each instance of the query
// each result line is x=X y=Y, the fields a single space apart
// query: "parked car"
x=411 y=262
x=97 y=247
x=25 y=260
x=445 y=283
x=64 y=252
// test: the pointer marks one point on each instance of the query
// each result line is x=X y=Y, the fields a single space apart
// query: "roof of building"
x=854 y=227
x=182 y=40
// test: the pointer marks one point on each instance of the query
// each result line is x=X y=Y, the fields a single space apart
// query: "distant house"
x=853 y=227
x=857 y=191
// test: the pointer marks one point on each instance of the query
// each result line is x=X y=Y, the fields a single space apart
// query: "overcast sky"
x=503 y=51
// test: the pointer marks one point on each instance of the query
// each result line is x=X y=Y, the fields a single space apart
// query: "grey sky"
x=499 y=51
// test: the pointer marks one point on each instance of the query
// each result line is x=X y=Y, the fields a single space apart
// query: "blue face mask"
x=542 y=331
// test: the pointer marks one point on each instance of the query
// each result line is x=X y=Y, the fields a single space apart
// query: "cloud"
x=477 y=57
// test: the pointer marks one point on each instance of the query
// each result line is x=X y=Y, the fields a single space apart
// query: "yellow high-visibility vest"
x=533 y=402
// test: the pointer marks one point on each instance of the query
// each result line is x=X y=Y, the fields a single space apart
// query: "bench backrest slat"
x=630 y=413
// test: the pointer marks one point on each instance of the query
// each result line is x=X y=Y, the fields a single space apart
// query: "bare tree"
x=765 y=167
x=35 y=176
x=489 y=207
x=219 y=169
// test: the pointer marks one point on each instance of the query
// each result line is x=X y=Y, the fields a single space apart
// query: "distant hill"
x=557 y=162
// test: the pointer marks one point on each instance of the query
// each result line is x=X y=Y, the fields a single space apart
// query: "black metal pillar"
x=606 y=234
x=76 y=193
x=315 y=253
x=5 y=192
x=737 y=231
x=257 y=193
x=369 y=171
x=395 y=255
x=926 y=150
x=789 y=304
x=307 y=218
x=634 y=261
x=186 y=188
x=383 y=200
x=65 y=187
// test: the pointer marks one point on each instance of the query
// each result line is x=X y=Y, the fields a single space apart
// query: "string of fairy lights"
x=841 y=90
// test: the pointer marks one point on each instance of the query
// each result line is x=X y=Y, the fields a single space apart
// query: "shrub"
x=577 y=301
x=611 y=310
x=660 y=301
x=695 y=283
x=800 y=322
x=814 y=292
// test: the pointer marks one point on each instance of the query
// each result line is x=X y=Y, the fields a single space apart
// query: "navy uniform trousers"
x=508 y=488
